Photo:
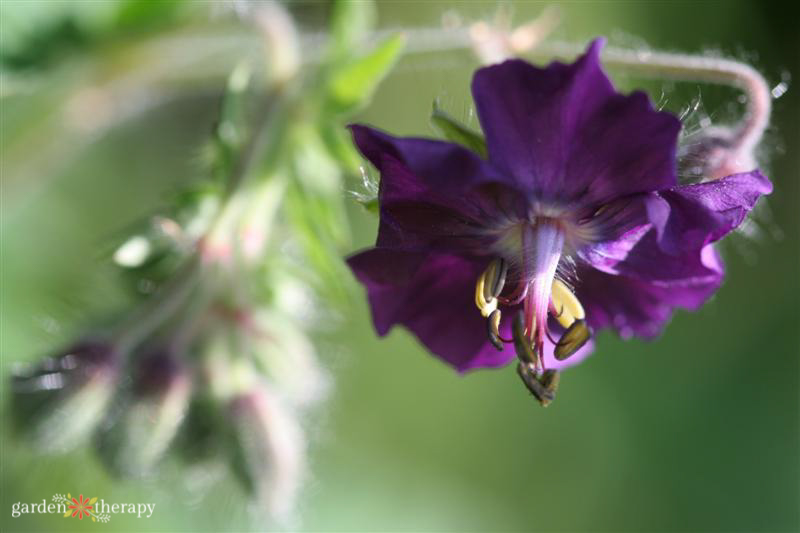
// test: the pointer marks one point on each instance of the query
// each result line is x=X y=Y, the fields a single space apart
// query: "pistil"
x=542 y=245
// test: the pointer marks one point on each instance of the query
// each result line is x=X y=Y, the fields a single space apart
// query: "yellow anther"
x=489 y=308
x=489 y=285
x=568 y=308
x=563 y=316
x=480 y=299
x=486 y=307
x=494 y=279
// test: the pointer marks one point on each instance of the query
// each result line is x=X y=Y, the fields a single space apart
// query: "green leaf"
x=141 y=15
x=370 y=204
x=351 y=22
x=457 y=132
x=352 y=85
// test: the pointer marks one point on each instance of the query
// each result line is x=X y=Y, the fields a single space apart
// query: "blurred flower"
x=495 y=41
x=59 y=401
x=229 y=281
x=271 y=449
x=575 y=221
x=140 y=434
x=287 y=357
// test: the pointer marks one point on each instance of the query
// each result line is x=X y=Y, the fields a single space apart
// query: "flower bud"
x=288 y=357
x=137 y=437
x=269 y=454
x=57 y=402
x=280 y=37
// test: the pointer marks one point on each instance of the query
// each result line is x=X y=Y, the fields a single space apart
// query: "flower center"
x=542 y=295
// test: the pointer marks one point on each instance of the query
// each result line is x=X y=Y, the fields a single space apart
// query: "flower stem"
x=168 y=301
x=648 y=63
x=714 y=70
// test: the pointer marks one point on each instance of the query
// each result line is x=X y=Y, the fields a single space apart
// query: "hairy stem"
x=648 y=63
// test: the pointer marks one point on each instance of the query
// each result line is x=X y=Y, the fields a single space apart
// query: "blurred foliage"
x=36 y=35
x=209 y=329
x=694 y=432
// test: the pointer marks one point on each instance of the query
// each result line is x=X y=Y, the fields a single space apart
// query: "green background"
x=696 y=431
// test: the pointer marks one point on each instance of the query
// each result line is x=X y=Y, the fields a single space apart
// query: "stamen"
x=564 y=317
x=572 y=340
x=494 y=330
x=550 y=380
x=489 y=286
x=544 y=388
x=522 y=343
x=495 y=278
x=487 y=307
x=570 y=308
x=517 y=296
x=542 y=242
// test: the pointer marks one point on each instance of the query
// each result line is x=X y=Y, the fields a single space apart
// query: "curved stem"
x=710 y=70
x=166 y=302
x=661 y=65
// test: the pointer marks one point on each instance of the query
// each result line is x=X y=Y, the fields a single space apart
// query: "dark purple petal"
x=565 y=135
x=383 y=271
x=684 y=220
x=428 y=220
x=606 y=255
x=433 y=165
x=641 y=307
x=638 y=255
x=615 y=219
x=691 y=216
x=433 y=296
x=433 y=193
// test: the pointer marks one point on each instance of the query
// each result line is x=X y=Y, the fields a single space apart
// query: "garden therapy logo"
x=83 y=507
x=80 y=507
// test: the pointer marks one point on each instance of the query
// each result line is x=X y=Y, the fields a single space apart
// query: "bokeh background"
x=696 y=431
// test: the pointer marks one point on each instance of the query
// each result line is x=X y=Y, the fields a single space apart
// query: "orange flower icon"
x=82 y=507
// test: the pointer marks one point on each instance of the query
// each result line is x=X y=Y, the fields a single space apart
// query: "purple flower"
x=576 y=219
